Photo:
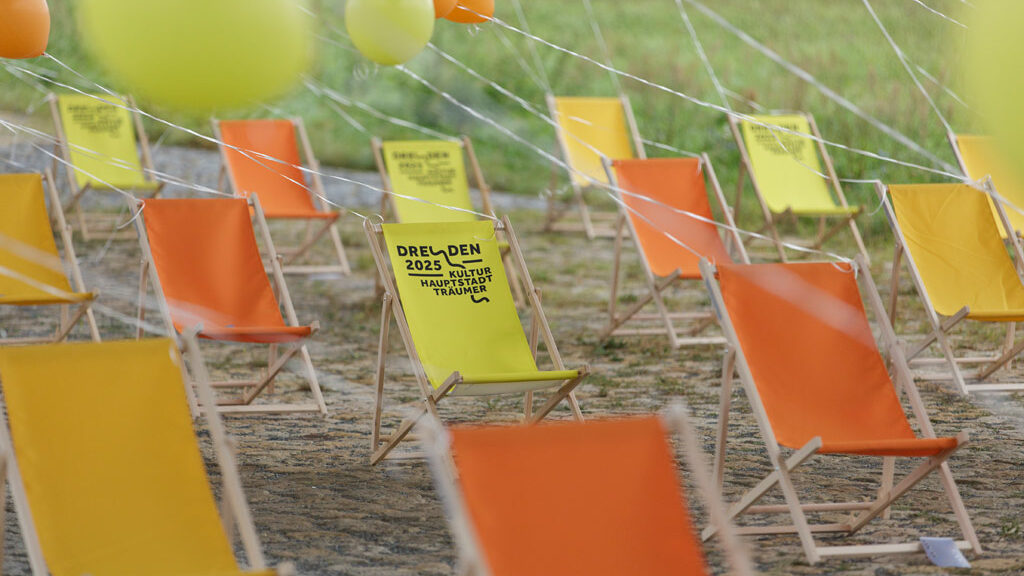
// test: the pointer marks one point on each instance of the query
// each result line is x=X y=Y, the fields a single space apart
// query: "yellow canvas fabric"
x=25 y=227
x=981 y=159
x=101 y=140
x=432 y=170
x=598 y=123
x=110 y=462
x=787 y=168
x=958 y=251
x=456 y=298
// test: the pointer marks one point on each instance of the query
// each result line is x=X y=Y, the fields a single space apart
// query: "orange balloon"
x=443 y=8
x=485 y=9
x=24 y=28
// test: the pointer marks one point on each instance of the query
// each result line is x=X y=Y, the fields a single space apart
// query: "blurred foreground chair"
x=32 y=272
x=105 y=469
x=262 y=156
x=978 y=158
x=961 y=271
x=103 y=145
x=425 y=181
x=446 y=287
x=785 y=169
x=817 y=384
x=600 y=497
x=664 y=202
x=589 y=130
x=201 y=257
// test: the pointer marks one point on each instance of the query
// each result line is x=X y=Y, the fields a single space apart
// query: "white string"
x=531 y=47
x=703 y=56
x=941 y=15
x=602 y=45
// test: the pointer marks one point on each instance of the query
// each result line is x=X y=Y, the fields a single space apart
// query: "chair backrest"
x=27 y=246
x=786 y=166
x=110 y=465
x=957 y=248
x=205 y=254
x=600 y=497
x=811 y=353
x=432 y=170
x=661 y=185
x=278 y=180
x=589 y=124
x=457 y=300
x=981 y=158
x=101 y=140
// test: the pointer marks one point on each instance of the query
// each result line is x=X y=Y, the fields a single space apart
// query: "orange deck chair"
x=201 y=257
x=446 y=287
x=660 y=197
x=589 y=130
x=596 y=498
x=105 y=467
x=103 y=145
x=31 y=270
x=262 y=156
x=435 y=171
x=961 y=271
x=817 y=384
x=979 y=156
x=792 y=176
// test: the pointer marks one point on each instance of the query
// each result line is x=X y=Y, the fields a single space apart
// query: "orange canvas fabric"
x=813 y=357
x=595 y=498
x=280 y=185
x=206 y=257
x=670 y=183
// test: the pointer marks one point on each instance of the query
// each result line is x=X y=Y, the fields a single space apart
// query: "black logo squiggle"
x=445 y=254
x=482 y=299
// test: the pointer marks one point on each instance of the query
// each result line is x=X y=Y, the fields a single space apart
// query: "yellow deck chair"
x=103 y=144
x=786 y=172
x=31 y=270
x=659 y=197
x=961 y=271
x=425 y=181
x=105 y=468
x=446 y=287
x=589 y=130
x=978 y=157
x=622 y=511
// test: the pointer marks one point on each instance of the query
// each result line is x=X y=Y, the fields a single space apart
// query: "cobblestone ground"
x=317 y=502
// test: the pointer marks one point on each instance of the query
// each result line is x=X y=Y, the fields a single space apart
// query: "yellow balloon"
x=995 y=73
x=199 y=55
x=390 y=32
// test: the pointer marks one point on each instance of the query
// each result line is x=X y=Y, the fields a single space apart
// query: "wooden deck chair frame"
x=676 y=418
x=63 y=148
x=70 y=315
x=235 y=512
x=655 y=286
x=862 y=512
x=941 y=327
x=771 y=219
x=381 y=447
x=278 y=355
x=955 y=145
x=387 y=201
x=313 y=234
x=588 y=219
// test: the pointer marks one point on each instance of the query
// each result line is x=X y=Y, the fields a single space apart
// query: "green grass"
x=836 y=41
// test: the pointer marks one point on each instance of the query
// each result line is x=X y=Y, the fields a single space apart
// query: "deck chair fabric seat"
x=664 y=207
x=31 y=268
x=792 y=174
x=599 y=497
x=263 y=156
x=105 y=462
x=590 y=131
x=980 y=157
x=208 y=275
x=446 y=285
x=227 y=291
x=817 y=384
